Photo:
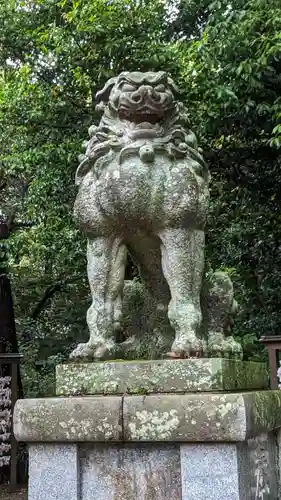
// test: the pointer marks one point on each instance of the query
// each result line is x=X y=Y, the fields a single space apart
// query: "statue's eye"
x=160 y=88
x=128 y=88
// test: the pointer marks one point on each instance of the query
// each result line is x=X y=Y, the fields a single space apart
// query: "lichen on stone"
x=153 y=425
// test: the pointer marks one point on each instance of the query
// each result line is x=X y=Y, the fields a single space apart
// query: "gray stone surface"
x=245 y=471
x=192 y=417
x=263 y=411
x=191 y=471
x=54 y=472
x=144 y=186
x=166 y=376
x=209 y=471
x=68 y=419
x=135 y=472
x=165 y=417
x=201 y=417
x=257 y=460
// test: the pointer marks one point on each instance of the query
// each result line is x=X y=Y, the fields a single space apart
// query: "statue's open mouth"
x=145 y=114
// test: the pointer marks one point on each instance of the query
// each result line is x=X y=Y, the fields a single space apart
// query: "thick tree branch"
x=49 y=293
x=11 y=219
x=21 y=225
x=4 y=230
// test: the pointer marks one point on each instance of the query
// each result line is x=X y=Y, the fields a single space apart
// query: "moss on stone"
x=162 y=417
x=264 y=410
x=164 y=376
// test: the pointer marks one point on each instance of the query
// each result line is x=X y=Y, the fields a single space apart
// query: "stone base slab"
x=164 y=417
x=166 y=376
x=196 y=446
x=221 y=471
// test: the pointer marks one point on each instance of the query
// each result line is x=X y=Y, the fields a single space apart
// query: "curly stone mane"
x=119 y=134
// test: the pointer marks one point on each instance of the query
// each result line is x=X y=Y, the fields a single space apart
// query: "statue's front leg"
x=106 y=267
x=183 y=264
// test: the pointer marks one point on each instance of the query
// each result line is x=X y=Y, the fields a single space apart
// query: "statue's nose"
x=144 y=91
x=153 y=94
x=137 y=96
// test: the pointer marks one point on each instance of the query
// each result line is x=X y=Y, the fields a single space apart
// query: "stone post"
x=154 y=430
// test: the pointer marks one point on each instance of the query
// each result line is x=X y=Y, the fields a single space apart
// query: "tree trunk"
x=8 y=336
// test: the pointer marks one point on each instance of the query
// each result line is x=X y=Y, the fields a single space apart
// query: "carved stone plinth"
x=168 y=444
x=166 y=376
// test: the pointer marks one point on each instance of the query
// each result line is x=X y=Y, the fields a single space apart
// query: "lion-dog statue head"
x=139 y=106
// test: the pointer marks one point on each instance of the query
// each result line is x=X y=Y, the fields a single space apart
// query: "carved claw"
x=225 y=348
x=175 y=355
x=102 y=352
x=88 y=351
x=82 y=351
x=186 y=349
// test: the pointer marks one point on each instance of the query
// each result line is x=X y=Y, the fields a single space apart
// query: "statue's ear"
x=103 y=94
x=176 y=91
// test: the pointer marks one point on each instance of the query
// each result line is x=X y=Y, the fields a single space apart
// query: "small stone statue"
x=143 y=188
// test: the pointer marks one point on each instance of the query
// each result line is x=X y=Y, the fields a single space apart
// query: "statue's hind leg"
x=106 y=268
x=183 y=264
x=146 y=253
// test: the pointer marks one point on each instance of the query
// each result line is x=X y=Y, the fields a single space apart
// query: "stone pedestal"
x=169 y=430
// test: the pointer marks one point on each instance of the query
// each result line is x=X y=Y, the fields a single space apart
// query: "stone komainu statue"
x=143 y=189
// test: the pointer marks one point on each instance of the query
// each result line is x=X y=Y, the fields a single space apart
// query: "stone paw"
x=186 y=348
x=82 y=351
x=221 y=347
x=233 y=348
x=103 y=352
x=89 y=351
x=216 y=350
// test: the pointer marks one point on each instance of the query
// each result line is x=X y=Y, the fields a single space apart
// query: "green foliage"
x=54 y=56
x=232 y=74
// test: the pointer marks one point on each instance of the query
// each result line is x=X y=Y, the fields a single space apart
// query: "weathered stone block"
x=166 y=376
x=201 y=417
x=138 y=472
x=218 y=446
x=225 y=471
x=208 y=417
x=190 y=471
x=68 y=419
x=164 y=417
x=257 y=467
x=209 y=471
x=54 y=472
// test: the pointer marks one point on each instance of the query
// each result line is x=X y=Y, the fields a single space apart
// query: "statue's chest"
x=138 y=194
x=145 y=186
x=125 y=182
